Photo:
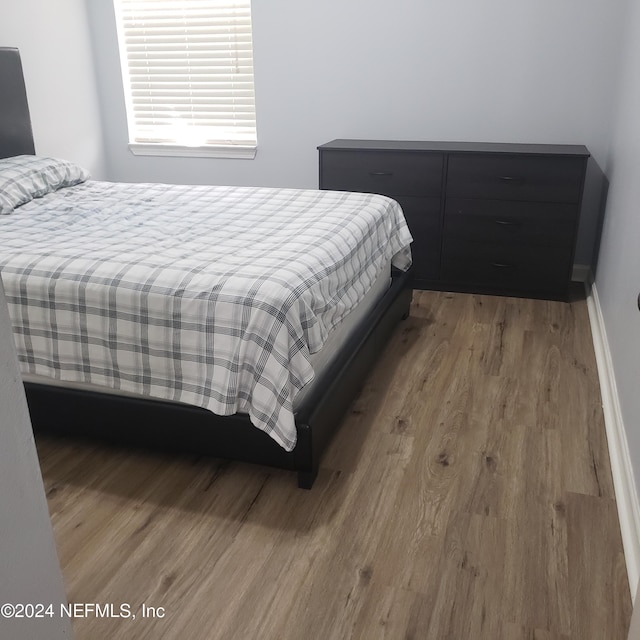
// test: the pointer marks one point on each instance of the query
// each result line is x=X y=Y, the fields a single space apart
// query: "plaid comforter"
x=213 y=296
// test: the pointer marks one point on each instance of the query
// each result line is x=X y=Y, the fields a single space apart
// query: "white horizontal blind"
x=188 y=71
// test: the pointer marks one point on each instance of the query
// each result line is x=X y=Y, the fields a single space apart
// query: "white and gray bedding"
x=319 y=360
x=213 y=296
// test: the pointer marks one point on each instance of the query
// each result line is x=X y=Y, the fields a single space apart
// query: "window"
x=187 y=70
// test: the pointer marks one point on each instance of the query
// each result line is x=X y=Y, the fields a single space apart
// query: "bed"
x=192 y=318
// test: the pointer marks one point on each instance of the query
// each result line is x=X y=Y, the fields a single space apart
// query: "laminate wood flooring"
x=467 y=495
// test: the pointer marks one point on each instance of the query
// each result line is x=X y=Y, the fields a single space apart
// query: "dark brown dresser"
x=485 y=217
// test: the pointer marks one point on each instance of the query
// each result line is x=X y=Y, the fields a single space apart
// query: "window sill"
x=181 y=151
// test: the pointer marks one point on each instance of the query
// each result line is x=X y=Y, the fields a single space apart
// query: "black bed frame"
x=172 y=426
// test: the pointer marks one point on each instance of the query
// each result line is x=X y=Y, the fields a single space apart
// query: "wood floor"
x=467 y=495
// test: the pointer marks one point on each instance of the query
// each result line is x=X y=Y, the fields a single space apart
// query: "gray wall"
x=533 y=71
x=618 y=278
x=54 y=44
x=29 y=569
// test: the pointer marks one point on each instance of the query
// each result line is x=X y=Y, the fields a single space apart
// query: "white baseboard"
x=621 y=467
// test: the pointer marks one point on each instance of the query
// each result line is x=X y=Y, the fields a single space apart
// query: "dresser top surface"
x=453 y=147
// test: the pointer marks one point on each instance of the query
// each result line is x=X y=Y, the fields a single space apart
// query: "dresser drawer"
x=508 y=268
x=511 y=222
x=388 y=173
x=423 y=219
x=513 y=177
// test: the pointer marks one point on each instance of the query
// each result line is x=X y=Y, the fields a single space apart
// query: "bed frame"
x=157 y=424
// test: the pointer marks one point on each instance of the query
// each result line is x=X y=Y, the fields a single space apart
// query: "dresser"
x=492 y=218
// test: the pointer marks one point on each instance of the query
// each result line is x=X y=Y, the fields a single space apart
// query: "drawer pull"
x=378 y=174
x=508 y=223
x=502 y=265
x=515 y=180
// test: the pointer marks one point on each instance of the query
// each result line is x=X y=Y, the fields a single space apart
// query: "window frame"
x=239 y=147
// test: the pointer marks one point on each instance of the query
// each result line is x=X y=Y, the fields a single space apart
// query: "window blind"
x=188 y=72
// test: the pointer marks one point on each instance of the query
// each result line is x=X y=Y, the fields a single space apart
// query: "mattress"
x=212 y=296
